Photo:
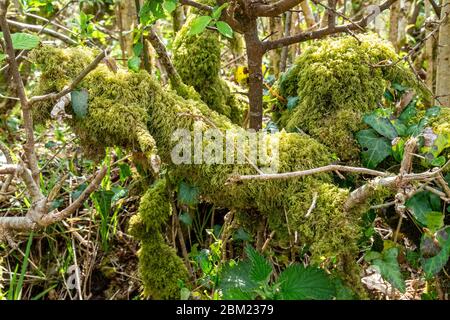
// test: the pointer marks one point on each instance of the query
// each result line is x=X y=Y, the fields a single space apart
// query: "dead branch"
x=55 y=96
x=38 y=28
x=329 y=30
x=296 y=174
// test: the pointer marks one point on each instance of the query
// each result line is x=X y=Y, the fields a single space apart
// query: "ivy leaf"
x=134 y=63
x=434 y=220
x=225 y=29
x=374 y=148
x=186 y=218
x=409 y=112
x=79 y=100
x=187 y=194
x=433 y=112
x=388 y=95
x=421 y=204
x=199 y=24
x=399 y=87
x=242 y=235
x=389 y=268
x=297 y=282
x=23 y=41
x=433 y=265
x=261 y=269
x=292 y=102
x=438 y=162
x=381 y=125
x=170 y=5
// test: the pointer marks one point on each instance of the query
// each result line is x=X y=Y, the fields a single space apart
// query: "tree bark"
x=443 y=58
x=393 y=24
x=308 y=14
x=255 y=54
x=429 y=52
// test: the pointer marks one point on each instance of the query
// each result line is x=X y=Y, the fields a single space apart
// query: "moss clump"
x=152 y=115
x=160 y=268
x=159 y=265
x=197 y=60
x=336 y=82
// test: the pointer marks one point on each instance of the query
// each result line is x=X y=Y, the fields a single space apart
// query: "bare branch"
x=316 y=34
x=273 y=9
x=197 y=5
x=26 y=111
x=59 y=215
x=164 y=58
x=296 y=174
x=37 y=216
x=37 y=28
x=76 y=81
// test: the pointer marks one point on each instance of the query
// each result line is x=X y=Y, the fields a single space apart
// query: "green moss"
x=155 y=208
x=133 y=111
x=160 y=268
x=337 y=80
x=197 y=60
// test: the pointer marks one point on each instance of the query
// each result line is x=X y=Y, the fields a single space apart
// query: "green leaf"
x=433 y=112
x=434 y=220
x=236 y=283
x=421 y=204
x=372 y=255
x=389 y=268
x=187 y=194
x=79 y=99
x=409 y=112
x=242 y=235
x=102 y=201
x=186 y=218
x=381 y=125
x=218 y=11
x=199 y=24
x=374 y=148
x=398 y=149
x=124 y=171
x=137 y=49
x=438 y=162
x=23 y=41
x=388 y=95
x=399 y=87
x=292 y=102
x=134 y=63
x=224 y=28
x=433 y=265
x=185 y=293
x=297 y=282
x=170 y=5
x=260 y=268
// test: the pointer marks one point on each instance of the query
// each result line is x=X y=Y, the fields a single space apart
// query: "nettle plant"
x=383 y=145
x=254 y=278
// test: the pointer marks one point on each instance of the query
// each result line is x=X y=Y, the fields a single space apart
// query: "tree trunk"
x=308 y=14
x=255 y=54
x=177 y=19
x=393 y=24
x=276 y=29
x=287 y=33
x=429 y=52
x=443 y=59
